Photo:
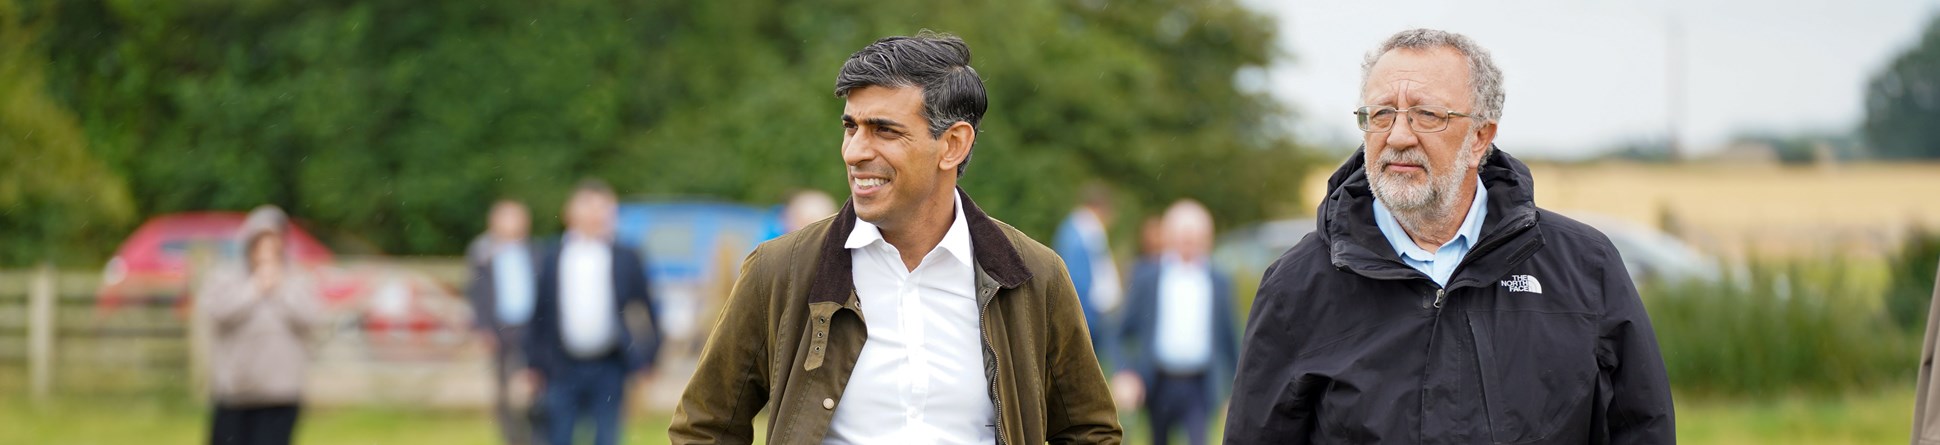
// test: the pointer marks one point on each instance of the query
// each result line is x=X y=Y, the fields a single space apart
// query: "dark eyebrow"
x=884 y=123
x=875 y=122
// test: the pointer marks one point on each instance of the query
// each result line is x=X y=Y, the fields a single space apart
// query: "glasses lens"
x=1376 y=119
x=1428 y=118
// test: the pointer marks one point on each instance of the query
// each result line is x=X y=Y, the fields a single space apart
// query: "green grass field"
x=1883 y=417
x=1875 y=418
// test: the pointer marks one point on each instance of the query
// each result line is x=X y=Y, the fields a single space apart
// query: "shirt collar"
x=573 y=237
x=1466 y=235
x=509 y=249
x=1478 y=211
x=956 y=240
x=1172 y=262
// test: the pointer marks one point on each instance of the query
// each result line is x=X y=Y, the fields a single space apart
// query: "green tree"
x=1903 y=102
x=45 y=213
x=398 y=122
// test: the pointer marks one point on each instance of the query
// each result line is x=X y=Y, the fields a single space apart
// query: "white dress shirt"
x=1184 y=344
x=586 y=307
x=920 y=377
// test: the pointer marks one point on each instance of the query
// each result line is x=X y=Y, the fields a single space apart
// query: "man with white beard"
x=1435 y=303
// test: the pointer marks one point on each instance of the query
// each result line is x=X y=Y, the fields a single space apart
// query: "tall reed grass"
x=1778 y=329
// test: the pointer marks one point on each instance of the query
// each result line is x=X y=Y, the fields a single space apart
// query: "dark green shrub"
x=1913 y=270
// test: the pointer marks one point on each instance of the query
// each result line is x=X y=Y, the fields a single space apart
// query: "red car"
x=394 y=306
x=153 y=264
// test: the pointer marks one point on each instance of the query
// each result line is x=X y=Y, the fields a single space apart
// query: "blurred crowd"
x=563 y=353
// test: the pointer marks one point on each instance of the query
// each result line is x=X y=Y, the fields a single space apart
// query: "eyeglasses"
x=1421 y=118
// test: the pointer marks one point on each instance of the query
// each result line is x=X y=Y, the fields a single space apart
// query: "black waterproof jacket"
x=1539 y=336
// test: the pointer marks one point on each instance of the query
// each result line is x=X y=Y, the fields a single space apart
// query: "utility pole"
x=1674 y=84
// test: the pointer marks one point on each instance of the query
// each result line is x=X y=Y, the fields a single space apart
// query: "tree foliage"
x=1903 y=102
x=54 y=194
x=397 y=122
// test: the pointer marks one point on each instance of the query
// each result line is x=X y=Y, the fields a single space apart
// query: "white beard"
x=1416 y=203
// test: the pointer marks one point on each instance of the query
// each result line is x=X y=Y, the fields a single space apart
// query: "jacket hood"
x=264 y=220
x=1346 y=221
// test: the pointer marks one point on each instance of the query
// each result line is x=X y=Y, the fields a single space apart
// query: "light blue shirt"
x=1184 y=343
x=512 y=279
x=1440 y=264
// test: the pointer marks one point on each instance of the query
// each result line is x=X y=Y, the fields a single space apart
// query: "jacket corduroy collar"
x=995 y=255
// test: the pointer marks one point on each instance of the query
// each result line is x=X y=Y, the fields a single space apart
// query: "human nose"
x=1402 y=133
x=856 y=148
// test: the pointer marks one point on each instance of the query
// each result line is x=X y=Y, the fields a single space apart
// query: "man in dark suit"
x=1180 y=323
x=501 y=293
x=578 y=345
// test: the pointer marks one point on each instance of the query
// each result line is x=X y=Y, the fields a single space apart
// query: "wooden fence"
x=54 y=338
x=58 y=340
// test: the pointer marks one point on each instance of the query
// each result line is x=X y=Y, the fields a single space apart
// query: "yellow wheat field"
x=1859 y=209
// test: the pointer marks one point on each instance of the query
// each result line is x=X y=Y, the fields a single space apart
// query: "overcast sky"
x=1782 y=66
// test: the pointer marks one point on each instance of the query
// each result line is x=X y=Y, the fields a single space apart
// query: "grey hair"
x=937 y=63
x=1484 y=79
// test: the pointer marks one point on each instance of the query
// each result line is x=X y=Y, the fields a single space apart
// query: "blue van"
x=692 y=248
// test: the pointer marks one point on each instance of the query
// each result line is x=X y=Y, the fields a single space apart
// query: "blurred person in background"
x=1081 y=240
x=578 y=347
x=1151 y=239
x=911 y=317
x=501 y=293
x=806 y=207
x=1435 y=302
x=1179 y=320
x=265 y=315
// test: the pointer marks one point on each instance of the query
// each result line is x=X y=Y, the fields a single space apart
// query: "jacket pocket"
x=1537 y=370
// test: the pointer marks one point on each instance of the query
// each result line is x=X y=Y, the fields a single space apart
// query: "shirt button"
x=828 y=403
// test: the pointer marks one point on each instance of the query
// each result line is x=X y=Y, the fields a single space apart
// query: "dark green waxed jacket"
x=792 y=330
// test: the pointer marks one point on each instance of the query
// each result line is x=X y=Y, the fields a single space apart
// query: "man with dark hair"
x=911 y=317
x=937 y=65
x=577 y=342
x=1435 y=302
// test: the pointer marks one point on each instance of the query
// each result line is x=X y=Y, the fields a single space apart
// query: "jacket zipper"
x=990 y=368
x=1441 y=299
x=1441 y=295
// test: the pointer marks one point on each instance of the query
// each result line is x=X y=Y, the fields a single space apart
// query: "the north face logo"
x=1523 y=283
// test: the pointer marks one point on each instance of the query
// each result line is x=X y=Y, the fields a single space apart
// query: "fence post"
x=41 y=297
x=200 y=340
